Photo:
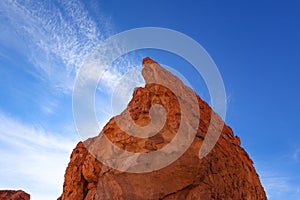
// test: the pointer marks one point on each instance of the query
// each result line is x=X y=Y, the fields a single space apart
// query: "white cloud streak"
x=279 y=187
x=59 y=37
x=296 y=155
x=277 y=184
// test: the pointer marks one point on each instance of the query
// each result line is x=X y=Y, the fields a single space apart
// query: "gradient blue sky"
x=255 y=45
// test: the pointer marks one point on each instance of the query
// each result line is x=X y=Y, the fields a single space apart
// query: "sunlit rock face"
x=14 y=195
x=225 y=173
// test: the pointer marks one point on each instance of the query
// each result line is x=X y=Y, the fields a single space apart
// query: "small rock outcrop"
x=226 y=173
x=14 y=195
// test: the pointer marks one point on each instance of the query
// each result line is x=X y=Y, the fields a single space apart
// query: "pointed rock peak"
x=153 y=72
x=227 y=172
x=148 y=60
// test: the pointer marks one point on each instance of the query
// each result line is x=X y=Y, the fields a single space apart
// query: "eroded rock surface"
x=14 y=195
x=225 y=173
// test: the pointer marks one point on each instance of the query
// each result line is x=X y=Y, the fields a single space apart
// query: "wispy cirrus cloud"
x=57 y=35
x=296 y=155
x=278 y=184
x=279 y=187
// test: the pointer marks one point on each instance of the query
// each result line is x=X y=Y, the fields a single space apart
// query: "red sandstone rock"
x=13 y=195
x=226 y=173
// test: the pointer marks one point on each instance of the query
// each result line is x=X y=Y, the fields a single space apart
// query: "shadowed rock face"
x=226 y=172
x=14 y=195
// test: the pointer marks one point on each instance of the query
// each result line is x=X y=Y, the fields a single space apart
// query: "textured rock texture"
x=13 y=195
x=225 y=173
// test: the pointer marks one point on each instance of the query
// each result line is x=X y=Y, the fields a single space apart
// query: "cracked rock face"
x=226 y=172
x=14 y=195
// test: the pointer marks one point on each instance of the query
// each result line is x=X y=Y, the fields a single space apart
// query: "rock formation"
x=14 y=195
x=225 y=173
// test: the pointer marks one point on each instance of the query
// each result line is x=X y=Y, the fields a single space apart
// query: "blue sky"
x=255 y=45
